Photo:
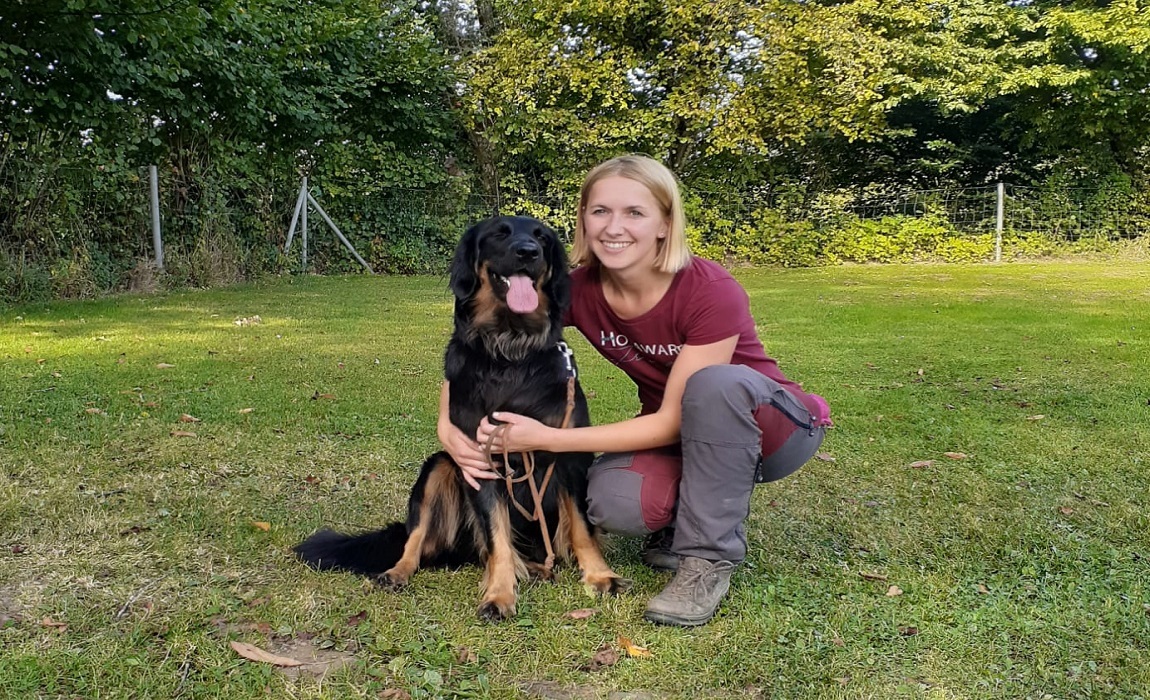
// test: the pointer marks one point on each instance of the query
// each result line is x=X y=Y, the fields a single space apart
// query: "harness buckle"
x=568 y=355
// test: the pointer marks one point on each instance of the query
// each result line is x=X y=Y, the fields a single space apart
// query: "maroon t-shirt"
x=703 y=305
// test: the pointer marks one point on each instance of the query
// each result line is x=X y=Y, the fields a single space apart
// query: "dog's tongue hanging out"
x=521 y=295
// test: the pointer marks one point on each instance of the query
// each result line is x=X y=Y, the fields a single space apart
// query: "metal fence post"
x=303 y=225
x=157 y=237
x=998 y=222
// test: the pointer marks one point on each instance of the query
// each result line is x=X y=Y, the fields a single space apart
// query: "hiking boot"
x=657 y=552
x=693 y=596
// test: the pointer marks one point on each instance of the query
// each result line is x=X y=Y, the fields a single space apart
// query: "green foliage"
x=889 y=239
x=821 y=105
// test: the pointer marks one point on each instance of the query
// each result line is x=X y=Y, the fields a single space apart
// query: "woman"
x=717 y=414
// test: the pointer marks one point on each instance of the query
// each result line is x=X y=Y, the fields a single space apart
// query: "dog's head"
x=511 y=286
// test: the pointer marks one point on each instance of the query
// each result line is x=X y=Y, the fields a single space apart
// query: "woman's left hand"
x=521 y=434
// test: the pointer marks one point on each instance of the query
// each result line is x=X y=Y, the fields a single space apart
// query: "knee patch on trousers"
x=634 y=494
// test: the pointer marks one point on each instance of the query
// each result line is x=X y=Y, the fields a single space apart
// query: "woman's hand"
x=516 y=434
x=467 y=454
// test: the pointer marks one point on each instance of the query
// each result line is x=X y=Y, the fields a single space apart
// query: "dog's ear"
x=464 y=278
x=560 y=281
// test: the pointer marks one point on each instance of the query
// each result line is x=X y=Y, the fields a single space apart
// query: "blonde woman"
x=717 y=415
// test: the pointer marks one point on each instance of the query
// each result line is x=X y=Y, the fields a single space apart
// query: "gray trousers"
x=738 y=428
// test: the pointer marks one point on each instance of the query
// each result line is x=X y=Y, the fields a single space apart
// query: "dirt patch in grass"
x=317 y=662
x=9 y=607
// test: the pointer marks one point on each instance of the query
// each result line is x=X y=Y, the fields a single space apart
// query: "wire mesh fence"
x=1063 y=214
x=217 y=231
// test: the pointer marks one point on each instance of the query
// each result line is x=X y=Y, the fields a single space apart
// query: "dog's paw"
x=391 y=580
x=608 y=583
x=493 y=611
x=540 y=573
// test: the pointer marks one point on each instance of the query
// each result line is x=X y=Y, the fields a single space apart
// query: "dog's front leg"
x=597 y=575
x=501 y=575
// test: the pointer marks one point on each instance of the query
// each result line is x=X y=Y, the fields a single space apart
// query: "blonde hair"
x=674 y=253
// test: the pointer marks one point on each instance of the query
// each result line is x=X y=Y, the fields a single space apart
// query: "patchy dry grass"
x=132 y=552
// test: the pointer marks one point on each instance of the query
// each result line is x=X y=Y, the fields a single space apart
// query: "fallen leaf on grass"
x=164 y=365
x=893 y=592
x=185 y=418
x=580 y=614
x=316 y=396
x=921 y=464
x=395 y=694
x=254 y=653
x=824 y=457
x=246 y=410
x=872 y=577
x=1036 y=417
x=955 y=455
x=908 y=631
x=182 y=433
x=266 y=527
x=632 y=650
x=983 y=590
x=357 y=618
x=1066 y=510
x=94 y=411
x=604 y=658
x=49 y=622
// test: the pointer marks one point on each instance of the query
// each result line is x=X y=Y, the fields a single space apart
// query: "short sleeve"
x=718 y=309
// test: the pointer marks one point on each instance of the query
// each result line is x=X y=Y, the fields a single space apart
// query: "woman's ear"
x=464 y=278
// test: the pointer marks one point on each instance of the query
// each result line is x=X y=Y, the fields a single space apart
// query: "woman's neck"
x=631 y=294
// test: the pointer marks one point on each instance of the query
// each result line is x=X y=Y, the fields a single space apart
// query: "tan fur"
x=504 y=568
x=597 y=575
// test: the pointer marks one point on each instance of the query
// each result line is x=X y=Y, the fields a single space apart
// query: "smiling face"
x=624 y=224
x=511 y=286
x=513 y=251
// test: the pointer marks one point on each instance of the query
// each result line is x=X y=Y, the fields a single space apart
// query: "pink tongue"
x=521 y=295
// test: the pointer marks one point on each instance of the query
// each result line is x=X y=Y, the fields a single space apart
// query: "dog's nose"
x=527 y=251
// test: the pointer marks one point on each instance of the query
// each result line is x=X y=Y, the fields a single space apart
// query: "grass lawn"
x=135 y=545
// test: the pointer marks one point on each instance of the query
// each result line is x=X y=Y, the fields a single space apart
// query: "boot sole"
x=677 y=621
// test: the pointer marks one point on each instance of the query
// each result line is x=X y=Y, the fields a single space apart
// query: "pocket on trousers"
x=793 y=409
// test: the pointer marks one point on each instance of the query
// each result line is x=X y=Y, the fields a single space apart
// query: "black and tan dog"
x=511 y=287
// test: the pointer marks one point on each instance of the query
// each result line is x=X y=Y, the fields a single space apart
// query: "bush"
x=889 y=239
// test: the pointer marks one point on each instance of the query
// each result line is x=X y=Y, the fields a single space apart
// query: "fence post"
x=157 y=237
x=303 y=224
x=998 y=222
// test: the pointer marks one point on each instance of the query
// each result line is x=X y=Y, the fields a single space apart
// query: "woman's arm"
x=639 y=433
x=465 y=451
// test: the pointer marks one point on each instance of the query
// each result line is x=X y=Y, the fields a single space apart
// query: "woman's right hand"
x=467 y=454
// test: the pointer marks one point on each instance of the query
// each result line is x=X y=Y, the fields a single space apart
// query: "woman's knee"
x=717 y=386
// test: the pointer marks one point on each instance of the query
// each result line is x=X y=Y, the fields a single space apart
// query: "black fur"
x=496 y=360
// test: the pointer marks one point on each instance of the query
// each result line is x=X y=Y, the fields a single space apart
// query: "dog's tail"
x=367 y=553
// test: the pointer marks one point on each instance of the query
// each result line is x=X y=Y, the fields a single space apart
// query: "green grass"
x=129 y=558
